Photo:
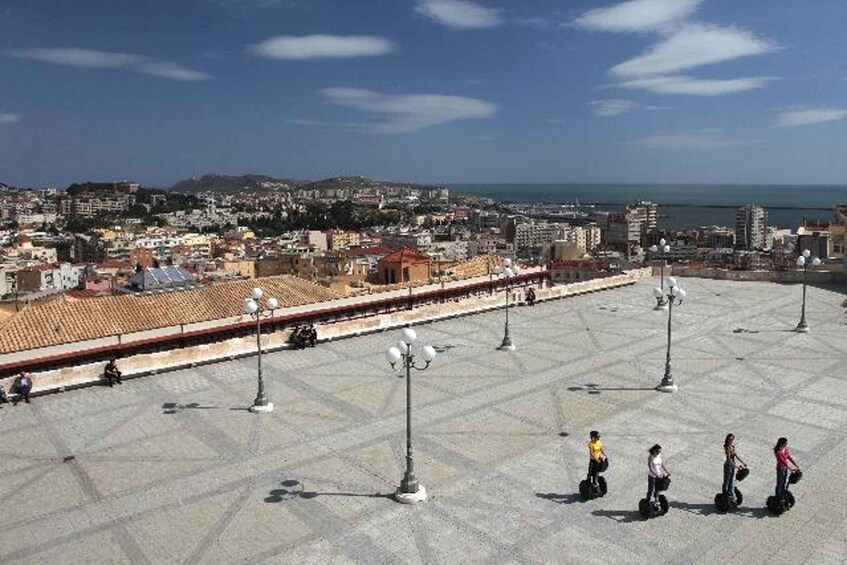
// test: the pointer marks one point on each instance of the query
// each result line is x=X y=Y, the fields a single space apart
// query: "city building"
x=404 y=265
x=751 y=225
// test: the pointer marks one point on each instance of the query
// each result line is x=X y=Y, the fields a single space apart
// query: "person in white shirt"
x=655 y=470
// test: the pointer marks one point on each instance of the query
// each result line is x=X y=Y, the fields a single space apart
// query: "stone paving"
x=173 y=469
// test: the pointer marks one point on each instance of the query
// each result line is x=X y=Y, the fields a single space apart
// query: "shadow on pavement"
x=620 y=516
x=592 y=388
x=698 y=508
x=174 y=408
x=292 y=489
x=559 y=498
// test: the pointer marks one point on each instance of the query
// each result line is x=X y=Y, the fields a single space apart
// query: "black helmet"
x=742 y=474
x=795 y=476
x=594 y=433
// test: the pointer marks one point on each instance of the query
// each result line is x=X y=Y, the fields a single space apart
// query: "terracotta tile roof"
x=68 y=321
x=404 y=256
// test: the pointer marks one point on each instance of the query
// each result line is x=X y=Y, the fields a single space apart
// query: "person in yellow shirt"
x=596 y=456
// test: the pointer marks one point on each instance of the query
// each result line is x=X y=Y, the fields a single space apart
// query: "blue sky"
x=695 y=91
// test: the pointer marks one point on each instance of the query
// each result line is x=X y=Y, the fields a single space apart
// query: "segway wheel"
x=604 y=487
x=663 y=504
x=789 y=499
x=644 y=508
x=739 y=498
x=774 y=505
x=585 y=490
x=721 y=503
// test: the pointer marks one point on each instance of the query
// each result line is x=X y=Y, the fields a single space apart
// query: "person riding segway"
x=658 y=479
x=783 y=499
x=595 y=485
x=730 y=497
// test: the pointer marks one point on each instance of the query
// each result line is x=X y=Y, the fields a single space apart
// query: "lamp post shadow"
x=292 y=489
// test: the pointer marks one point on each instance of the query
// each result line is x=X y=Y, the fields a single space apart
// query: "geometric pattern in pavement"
x=173 y=469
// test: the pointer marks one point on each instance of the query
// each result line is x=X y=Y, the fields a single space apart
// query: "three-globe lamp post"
x=803 y=261
x=673 y=296
x=410 y=490
x=663 y=248
x=509 y=270
x=253 y=309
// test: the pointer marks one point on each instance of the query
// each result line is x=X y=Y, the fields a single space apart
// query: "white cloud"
x=459 y=14
x=638 y=15
x=694 y=46
x=173 y=71
x=608 y=108
x=703 y=139
x=695 y=86
x=92 y=59
x=8 y=118
x=322 y=46
x=409 y=112
x=810 y=117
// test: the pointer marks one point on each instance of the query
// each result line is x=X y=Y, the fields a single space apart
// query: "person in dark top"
x=530 y=296
x=112 y=373
x=23 y=386
x=313 y=335
x=3 y=397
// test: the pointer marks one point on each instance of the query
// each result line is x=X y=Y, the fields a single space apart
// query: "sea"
x=682 y=206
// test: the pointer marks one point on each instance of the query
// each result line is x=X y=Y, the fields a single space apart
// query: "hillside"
x=233 y=184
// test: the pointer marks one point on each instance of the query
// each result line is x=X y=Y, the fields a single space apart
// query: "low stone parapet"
x=75 y=376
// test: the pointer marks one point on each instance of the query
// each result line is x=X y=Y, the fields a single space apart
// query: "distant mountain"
x=232 y=184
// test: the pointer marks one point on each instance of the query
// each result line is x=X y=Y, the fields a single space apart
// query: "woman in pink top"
x=783 y=458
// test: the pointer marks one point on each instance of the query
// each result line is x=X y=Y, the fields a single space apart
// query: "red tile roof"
x=68 y=321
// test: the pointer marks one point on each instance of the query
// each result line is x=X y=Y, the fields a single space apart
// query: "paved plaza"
x=173 y=469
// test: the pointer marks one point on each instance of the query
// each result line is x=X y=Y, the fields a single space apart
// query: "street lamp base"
x=269 y=407
x=507 y=345
x=661 y=307
x=802 y=328
x=410 y=497
x=667 y=388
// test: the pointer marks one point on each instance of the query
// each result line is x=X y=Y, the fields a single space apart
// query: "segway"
x=590 y=491
x=777 y=506
x=653 y=508
x=721 y=502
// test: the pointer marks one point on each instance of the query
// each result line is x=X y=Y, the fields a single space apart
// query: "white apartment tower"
x=751 y=227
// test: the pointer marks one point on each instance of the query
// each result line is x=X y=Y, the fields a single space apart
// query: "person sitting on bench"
x=23 y=386
x=296 y=338
x=112 y=373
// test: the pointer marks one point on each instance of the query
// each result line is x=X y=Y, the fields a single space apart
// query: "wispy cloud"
x=93 y=59
x=637 y=15
x=410 y=112
x=8 y=118
x=322 y=46
x=701 y=139
x=694 y=46
x=609 y=108
x=695 y=86
x=810 y=117
x=459 y=14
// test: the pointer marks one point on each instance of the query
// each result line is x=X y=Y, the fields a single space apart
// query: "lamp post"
x=410 y=490
x=674 y=296
x=509 y=271
x=803 y=261
x=252 y=309
x=661 y=304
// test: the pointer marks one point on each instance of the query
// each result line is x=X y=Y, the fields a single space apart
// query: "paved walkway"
x=172 y=469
